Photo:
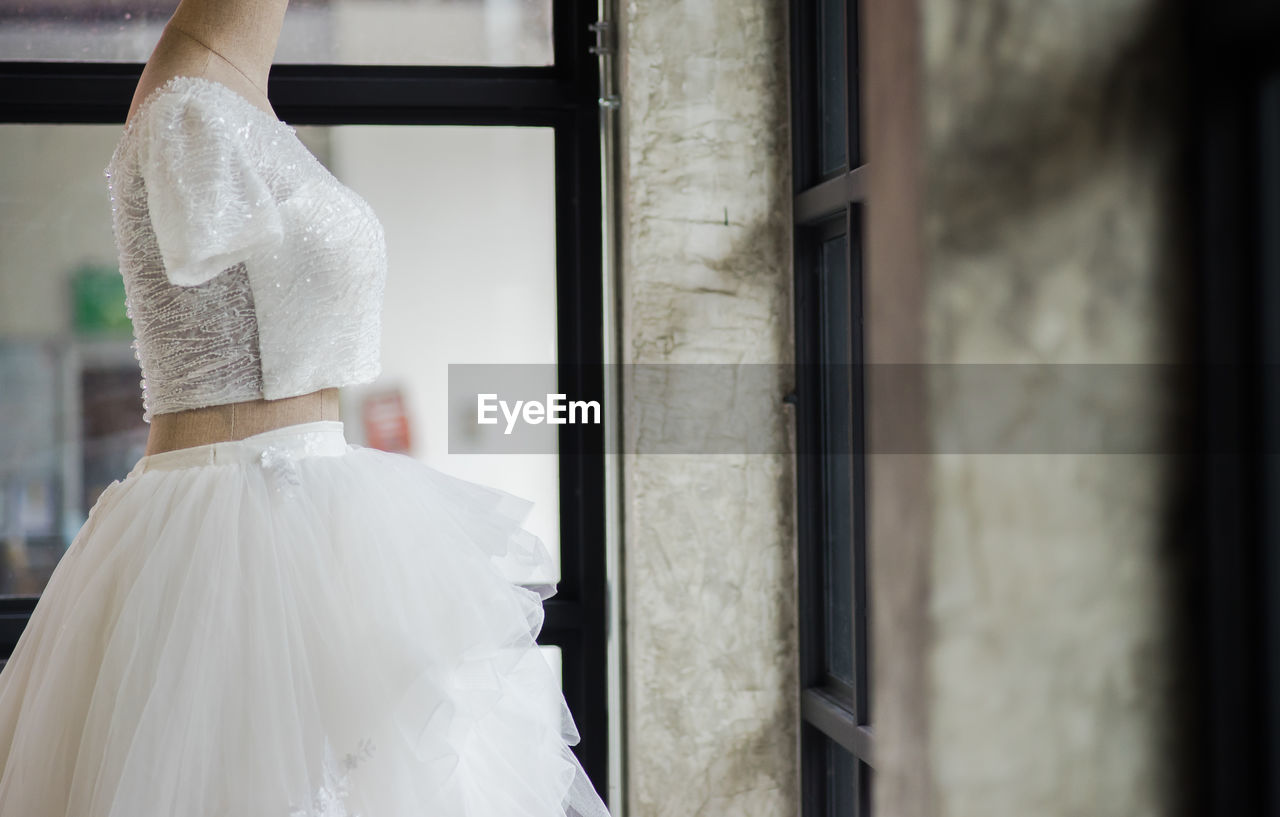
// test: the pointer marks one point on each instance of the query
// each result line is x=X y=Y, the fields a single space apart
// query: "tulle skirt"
x=290 y=626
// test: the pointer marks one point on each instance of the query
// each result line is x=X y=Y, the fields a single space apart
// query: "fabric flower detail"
x=331 y=799
x=282 y=469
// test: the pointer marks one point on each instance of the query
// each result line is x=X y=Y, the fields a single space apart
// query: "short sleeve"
x=210 y=205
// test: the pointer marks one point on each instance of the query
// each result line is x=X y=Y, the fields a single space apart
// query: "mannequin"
x=232 y=42
x=260 y=618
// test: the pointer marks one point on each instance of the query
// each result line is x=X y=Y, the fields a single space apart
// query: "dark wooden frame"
x=563 y=96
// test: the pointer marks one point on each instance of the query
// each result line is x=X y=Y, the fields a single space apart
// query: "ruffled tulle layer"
x=288 y=626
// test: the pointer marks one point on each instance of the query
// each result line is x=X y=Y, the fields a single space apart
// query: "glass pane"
x=469 y=214
x=841 y=783
x=373 y=32
x=832 y=87
x=857 y=156
x=837 y=462
x=555 y=658
x=69 y=393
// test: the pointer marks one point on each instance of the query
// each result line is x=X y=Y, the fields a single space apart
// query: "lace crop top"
x=250 y=271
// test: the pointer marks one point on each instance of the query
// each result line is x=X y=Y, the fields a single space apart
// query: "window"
x=828 y=172
x=349 y=32
x=471 y=149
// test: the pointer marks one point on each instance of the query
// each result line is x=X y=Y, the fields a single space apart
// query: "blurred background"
x=1078 y=189
x=395 y=32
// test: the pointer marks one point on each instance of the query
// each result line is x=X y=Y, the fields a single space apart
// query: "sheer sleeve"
x=210 y=205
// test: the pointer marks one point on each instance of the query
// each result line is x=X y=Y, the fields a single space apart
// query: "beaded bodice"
x=250 y=271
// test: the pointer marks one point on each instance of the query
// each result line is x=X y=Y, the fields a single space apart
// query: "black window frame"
x=565 y=97
x=827 y=206
x=1234 y=72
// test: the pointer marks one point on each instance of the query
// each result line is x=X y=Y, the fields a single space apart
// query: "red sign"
x=386 y=424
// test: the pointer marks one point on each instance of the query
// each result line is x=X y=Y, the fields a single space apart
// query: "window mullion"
x=837 y=722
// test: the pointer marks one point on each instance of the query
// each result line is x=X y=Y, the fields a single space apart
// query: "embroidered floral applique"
x=364 y=751
x=280 y=461
x=331 y=798
x=282 y=469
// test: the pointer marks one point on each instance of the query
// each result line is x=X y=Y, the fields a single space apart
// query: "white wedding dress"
x=285 y=625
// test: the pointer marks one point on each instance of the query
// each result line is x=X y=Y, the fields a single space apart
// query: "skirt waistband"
x=323 y=438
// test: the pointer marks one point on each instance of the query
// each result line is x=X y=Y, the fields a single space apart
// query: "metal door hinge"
x=612 y=102
x=604 y=38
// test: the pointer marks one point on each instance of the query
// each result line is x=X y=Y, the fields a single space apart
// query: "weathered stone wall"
x=706 y=278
